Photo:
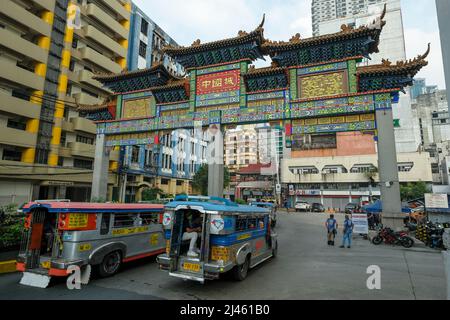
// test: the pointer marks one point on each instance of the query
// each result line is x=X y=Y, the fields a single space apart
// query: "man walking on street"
x=331 y=225
x=348 y=231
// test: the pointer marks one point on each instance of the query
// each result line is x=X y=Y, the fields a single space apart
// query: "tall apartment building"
x=270 y=143
x=443 y=13
x=146 y=42
x=46 y=68
x=431 y=110
x=241 y=147
x=392 y=47
x=326 y=10
x=420 y=87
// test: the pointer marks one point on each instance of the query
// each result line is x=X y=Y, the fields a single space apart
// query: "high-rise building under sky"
x=329 y=16
x=325 y=10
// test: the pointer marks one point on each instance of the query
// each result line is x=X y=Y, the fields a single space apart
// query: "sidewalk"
x=8 y=261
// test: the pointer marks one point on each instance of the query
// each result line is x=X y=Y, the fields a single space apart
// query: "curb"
x=7 y=266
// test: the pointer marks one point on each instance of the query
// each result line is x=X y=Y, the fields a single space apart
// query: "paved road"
x=306 y=268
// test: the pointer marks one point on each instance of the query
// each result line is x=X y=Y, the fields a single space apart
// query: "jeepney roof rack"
x=223 y=201
x=53 y=200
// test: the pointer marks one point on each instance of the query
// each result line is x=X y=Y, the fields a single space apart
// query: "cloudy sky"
x=210 y=20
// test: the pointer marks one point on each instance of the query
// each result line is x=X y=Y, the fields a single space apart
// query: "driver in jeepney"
x=192 y=226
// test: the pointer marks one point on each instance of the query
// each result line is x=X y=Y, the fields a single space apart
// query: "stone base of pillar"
x=393 y=220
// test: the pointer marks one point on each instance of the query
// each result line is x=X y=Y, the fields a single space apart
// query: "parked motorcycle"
x=389 y=236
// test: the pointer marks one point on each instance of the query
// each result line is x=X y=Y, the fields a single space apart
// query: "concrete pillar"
x=215 y=161
x=446 y=257
x=101 y=165
x=387 y=167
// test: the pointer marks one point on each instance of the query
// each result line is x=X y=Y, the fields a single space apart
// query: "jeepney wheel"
x=110 y=264
x=240 y=272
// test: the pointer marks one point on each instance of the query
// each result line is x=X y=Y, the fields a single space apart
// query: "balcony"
x=101 y=16
x=84 y=125
x=118 y=8
x=85 y=77
x=12 y=105
x=105 y=41
x=19 y=138
x=81 y=149
x=83 y=98
x=100 y=60
x=67 y=126
x=14 y=42
x=23 y=16
x=22 y=77
x=45 y=4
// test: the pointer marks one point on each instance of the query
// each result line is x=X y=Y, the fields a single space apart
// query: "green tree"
x=413 y=190
x=150 y=194
x=200 y=179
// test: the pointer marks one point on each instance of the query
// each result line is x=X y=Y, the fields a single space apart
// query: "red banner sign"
x=219 y=82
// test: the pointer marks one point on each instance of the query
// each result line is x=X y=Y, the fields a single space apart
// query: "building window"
x=16 y=124
x=405 y=167
x=165 y=181
x=12 y=155
x=142 y=49
x=82 y=164
x=75 y=42
x=144 y=27
x=84 y=139
x=135 y=154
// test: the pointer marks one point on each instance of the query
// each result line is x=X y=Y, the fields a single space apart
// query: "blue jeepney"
x=232 y=238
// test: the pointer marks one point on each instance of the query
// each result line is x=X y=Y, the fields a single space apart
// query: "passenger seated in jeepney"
x=192 y=225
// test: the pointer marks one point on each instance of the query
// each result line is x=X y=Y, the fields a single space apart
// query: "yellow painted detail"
x=62 y=87
x=125 y=24
x=46 y=264
x=56 y=139
x=113 y=166
x=68 y=37
x=127 y=6
x=44 y=43
x=52 y=159
x=220 y=253
x=65 y=62
x=122 y=62
x=36 y=98
x=126 y=231
x=124 y=43
x=28 y=155
x=243 y=236
x=167 y=246
x=78 y=220
x=48 y=17
x=40 y=69
x=84 y=247
x=353 y=118
x=32 y=125
x=7 y=266
x=59 y=110
x=154 y=239
x=195 y=267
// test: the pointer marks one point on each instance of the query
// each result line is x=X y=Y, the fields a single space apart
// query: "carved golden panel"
x=139 y=108
x=323 y=85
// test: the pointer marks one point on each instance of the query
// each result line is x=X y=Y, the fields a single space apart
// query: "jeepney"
x=233 y=238
x=60 y=234
x=271 y=207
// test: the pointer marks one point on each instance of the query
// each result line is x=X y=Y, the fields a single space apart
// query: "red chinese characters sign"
x=218 y=82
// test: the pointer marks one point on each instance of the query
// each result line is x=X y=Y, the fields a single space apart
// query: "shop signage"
x=436 y=200
x=360 y=223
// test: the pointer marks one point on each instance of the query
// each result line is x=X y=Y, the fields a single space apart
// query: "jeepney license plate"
x=191 y=266
x=45 y=264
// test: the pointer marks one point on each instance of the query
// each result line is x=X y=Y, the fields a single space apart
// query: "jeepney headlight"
x=62 y=224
